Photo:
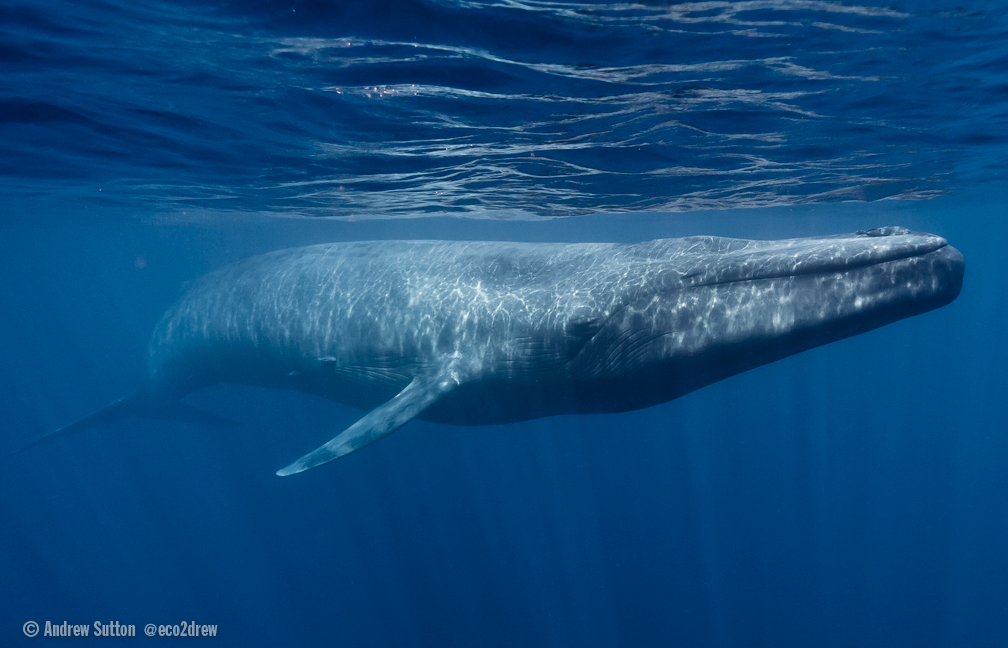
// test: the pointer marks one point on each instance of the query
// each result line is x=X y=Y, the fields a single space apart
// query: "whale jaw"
x=665 y=346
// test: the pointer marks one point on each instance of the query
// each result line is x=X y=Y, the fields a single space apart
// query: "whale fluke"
x=129 y=406
x=115 y=411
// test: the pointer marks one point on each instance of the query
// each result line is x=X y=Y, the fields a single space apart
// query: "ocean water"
x=854 y=494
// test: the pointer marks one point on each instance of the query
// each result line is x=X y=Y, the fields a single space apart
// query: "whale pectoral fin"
x=417 y=396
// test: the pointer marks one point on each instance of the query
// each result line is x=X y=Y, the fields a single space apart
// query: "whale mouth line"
x=816 y=267
x=702 y=332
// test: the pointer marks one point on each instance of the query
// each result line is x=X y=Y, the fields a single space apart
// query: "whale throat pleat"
x=422 y=392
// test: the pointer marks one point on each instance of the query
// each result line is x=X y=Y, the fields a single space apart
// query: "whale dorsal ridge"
x=422 y=392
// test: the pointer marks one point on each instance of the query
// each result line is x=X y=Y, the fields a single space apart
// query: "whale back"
x=383 y=309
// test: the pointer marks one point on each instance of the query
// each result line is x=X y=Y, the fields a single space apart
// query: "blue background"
x=855 y=494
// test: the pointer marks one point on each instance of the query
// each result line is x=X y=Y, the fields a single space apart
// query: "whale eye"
x=579 y=329
x=583 y=326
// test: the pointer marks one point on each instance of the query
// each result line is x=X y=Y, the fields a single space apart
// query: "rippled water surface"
x=501 y=109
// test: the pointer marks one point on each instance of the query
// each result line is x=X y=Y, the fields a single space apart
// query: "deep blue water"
x=855 y=494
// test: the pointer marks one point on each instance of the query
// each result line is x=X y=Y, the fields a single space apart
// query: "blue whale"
x=491 y=332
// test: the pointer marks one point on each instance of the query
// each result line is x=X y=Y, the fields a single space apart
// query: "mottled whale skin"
x=491 y=332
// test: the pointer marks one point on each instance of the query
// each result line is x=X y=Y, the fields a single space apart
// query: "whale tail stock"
x=132 y=405
x=423 y=391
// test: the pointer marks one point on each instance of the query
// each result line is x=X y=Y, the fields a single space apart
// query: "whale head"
x=732 y=305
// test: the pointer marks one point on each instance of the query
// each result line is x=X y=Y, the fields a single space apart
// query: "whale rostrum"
x=476 y=332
